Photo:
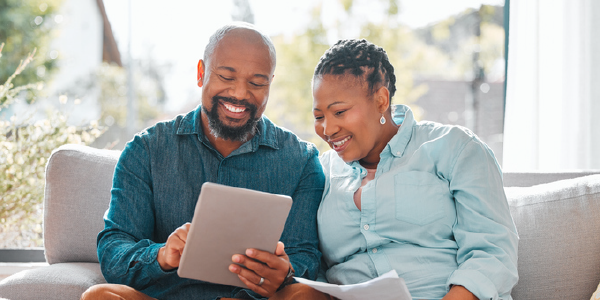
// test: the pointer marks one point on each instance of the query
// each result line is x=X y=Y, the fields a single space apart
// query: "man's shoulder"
x=284 y=139
x=171 y=126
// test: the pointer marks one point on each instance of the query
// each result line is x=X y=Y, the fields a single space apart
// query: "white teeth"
x=234 y=109
x=340 y=143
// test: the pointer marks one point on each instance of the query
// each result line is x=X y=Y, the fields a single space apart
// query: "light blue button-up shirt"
x=436 y=213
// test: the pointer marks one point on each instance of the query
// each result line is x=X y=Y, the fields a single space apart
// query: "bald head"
x=247 y=30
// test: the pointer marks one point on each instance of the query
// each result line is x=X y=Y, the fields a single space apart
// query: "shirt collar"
x=403 y=116
x=266 y=134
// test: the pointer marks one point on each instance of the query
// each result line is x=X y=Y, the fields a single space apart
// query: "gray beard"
x=219 y=130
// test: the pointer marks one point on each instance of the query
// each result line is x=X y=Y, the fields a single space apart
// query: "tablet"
x=227 y=221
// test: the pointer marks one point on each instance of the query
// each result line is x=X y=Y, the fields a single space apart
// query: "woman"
x=423 y=199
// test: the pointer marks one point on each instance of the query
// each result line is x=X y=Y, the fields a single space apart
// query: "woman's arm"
x=484 y=231
x=458 y=292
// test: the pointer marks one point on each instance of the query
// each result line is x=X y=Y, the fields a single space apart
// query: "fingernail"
x=250 y=252
x=232 y=268
x=236 y=258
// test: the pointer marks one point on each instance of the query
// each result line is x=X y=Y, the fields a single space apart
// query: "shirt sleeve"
x=300 y=234
x=126 y=252
x=484 y=231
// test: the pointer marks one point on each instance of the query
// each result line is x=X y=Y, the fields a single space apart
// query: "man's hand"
x=170 y=254
x=273 y=268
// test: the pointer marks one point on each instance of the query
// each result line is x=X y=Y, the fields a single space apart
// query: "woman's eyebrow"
x=334 y=103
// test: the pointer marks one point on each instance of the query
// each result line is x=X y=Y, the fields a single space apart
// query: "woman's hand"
x=272 y=268
x=170 y=254
x=459 y=292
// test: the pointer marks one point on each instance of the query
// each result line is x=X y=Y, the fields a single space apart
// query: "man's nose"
x=238 y=90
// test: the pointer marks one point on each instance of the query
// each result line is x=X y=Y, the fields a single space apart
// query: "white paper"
x=385 y=287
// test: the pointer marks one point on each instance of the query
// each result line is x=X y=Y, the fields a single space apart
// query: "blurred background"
x=449 y=57
x=95 y=72
x=105 y=69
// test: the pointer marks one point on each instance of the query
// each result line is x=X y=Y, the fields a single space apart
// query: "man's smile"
x=234 y=109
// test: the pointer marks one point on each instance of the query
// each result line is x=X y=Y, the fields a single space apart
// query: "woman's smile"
x=340 y=144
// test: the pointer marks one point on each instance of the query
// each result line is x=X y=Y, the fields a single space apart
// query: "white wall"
x=80 y=52
x=79 y=46
x=595 y=81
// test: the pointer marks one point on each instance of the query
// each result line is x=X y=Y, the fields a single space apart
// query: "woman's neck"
x=388 y=131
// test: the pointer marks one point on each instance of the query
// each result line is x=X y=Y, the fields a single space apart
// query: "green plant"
x=25 y=146
x=34 y=23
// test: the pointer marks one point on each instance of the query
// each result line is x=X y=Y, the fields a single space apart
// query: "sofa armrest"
x=559 y=248
x=78 y=183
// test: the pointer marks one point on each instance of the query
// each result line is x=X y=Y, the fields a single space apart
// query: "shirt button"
x=398 y=153
x=366 y=227
x=374 y=250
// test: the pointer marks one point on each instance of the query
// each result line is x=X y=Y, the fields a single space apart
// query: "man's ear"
x=200 y=73
x=382 y=98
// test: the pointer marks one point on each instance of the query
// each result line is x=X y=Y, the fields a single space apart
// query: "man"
x=225 y=140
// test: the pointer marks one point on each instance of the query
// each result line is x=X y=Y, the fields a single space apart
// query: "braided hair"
x=359 y=57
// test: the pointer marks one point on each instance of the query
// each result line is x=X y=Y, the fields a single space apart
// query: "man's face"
x=236 y=85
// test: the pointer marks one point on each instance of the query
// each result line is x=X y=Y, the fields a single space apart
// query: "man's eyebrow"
x=265 y=77
x=230 y=69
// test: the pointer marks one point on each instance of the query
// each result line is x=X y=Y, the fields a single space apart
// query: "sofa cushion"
x=59 y=281
x=78 y=183
x=559 y=248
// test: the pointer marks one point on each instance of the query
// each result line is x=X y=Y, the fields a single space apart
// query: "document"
x=385 y=287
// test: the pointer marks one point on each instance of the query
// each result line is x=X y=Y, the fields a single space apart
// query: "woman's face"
x=346 y=117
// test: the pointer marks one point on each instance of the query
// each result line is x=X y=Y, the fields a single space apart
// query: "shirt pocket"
x=418 y=197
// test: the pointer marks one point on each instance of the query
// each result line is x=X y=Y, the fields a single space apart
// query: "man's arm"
x=265 y=272
x=300 y=234
x=126 y=251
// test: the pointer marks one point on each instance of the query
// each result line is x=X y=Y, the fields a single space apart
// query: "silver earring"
x=382 y=120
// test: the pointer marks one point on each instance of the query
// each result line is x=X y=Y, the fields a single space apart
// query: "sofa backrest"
x=77 y=193
x=559 y=238
x=523 y=179
x=558 y=222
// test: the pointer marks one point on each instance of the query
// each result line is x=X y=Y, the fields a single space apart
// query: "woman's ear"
x=200 y=73
x=382 y=99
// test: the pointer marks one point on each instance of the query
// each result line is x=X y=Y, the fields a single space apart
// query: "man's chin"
x=234 y=123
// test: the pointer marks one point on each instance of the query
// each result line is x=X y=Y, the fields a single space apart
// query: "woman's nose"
x=330 y=127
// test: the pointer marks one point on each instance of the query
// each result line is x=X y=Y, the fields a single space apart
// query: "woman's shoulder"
x=442 y=132
x=332 y=163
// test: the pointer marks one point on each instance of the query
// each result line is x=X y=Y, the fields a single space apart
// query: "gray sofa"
x=557 y=216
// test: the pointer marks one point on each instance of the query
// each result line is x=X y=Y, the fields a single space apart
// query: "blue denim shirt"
x=156 y=185
x=435 y=212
